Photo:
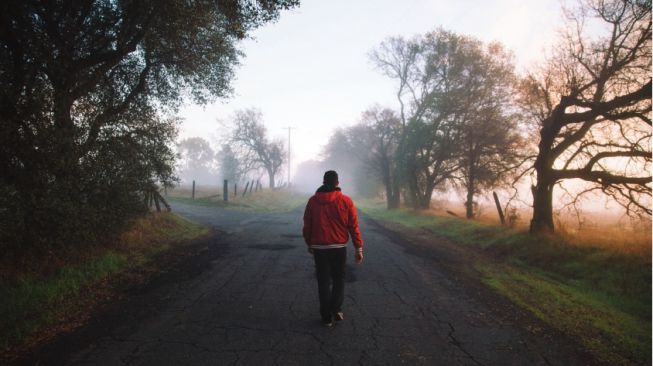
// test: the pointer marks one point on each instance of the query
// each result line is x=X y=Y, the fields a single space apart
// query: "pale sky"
x=311 y=70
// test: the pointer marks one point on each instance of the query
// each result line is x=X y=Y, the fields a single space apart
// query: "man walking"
x=330 y=217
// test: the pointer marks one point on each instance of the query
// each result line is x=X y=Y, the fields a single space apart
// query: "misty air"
x=289 y=182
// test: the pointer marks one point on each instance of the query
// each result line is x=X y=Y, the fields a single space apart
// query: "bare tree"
x=251 y=143
x=592 y=100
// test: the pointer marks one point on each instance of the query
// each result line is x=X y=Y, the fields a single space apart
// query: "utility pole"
x=289 y=128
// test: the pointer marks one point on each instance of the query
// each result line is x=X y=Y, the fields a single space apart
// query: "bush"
x=98 y=195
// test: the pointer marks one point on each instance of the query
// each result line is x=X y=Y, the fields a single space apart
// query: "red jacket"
x=329 y=218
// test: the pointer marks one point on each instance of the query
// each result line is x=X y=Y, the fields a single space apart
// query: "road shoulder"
x=461 y=264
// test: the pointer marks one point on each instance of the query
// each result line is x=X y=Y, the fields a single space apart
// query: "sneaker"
x=339 y=316
x=327 y=323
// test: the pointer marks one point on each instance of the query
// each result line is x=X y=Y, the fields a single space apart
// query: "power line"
x=289 y=128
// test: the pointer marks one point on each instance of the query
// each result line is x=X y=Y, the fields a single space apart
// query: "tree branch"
x=603 y=108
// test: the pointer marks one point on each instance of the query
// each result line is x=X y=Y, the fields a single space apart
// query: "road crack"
x=458 y=345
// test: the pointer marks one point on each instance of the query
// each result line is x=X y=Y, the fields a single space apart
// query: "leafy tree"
x=196 y=160
x=490 y=137
x=492 y=152
x=348 y=151
x=84 y=82
x=383 y=127
x=230 y=167
x=253 y=148
x=592 y=100
x=444 y=85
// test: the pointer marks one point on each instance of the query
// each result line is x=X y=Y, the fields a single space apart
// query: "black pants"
x=330 y=267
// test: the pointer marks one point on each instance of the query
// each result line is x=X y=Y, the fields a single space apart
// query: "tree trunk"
x=471 y=183
x=393 y=200
x=389 y=198
x=425 y=200
x=412 y=191
x=471 y=178
x=391 y=192
x=469 y=205
x=425 y=197
x=271 y=177
x=396 y=177
x=542 y=221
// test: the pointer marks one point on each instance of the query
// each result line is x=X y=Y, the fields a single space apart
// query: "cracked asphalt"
x=250 y=298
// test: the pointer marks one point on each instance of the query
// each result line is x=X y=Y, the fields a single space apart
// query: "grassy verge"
x=263 y=201
x=597 y=295
x=37 y=304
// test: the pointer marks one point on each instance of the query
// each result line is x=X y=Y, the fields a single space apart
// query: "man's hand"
x=359 y=256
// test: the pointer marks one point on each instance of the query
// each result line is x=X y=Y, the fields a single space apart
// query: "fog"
x=352 y=125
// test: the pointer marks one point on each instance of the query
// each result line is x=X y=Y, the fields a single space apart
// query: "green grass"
x=33 y=301
x=613 y=334
x=462 y=231
x=28 y=303
x=600 y=296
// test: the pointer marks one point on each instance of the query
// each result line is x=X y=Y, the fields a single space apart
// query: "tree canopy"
x=83 y=88
x=453 y=94
x=197 y=161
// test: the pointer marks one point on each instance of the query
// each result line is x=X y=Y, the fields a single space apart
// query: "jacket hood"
x=326 y=194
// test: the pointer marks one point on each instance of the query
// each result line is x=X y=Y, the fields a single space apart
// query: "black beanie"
x=331 y=178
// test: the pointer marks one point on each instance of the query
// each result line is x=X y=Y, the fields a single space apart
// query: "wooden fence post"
x=235 y=190
x=193 y=194
x=225 y=190
x=155 y=195
x=245 y=191
x=164 y=202
x=496 y=201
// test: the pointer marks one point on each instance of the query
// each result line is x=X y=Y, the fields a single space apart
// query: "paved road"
x=254 y=302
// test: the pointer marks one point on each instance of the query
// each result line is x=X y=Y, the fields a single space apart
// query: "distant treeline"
x=246 y=153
